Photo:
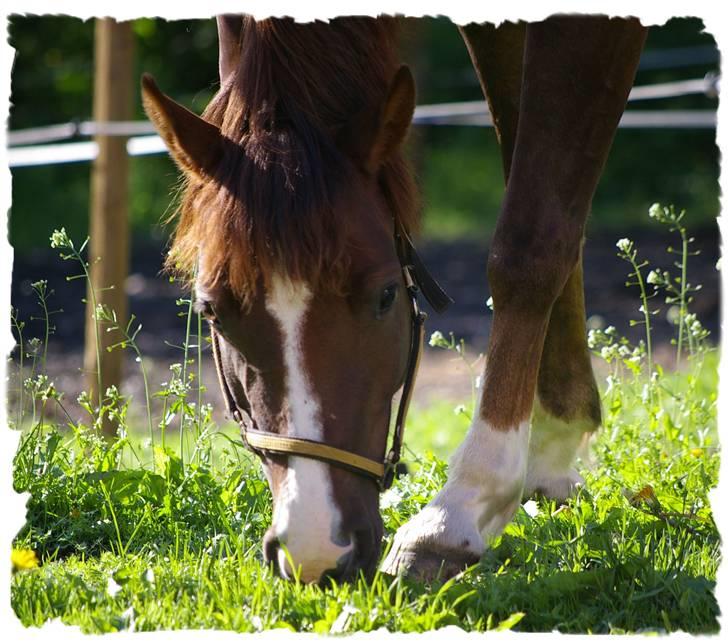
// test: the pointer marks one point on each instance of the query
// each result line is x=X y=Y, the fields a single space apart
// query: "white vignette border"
x=459 y=11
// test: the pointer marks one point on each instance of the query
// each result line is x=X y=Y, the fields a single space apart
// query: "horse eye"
x=386 y=299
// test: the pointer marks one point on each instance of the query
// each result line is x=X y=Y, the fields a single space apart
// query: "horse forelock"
x=270 y=207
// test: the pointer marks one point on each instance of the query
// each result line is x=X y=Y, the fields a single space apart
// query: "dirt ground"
x=459 y=266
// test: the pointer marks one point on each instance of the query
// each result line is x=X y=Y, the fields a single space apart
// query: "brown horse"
x=294 y=228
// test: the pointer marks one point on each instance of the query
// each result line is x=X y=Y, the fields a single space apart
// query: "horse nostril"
x=271 y=544
x=346 y=567
x=362 y=558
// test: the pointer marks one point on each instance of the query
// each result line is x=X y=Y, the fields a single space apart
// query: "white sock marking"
x=554 y=445
x=483 y=491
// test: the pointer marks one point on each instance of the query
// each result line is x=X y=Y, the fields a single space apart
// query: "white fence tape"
x=473 y=113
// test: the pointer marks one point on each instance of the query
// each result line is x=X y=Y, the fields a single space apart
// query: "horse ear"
x=370 y=139
x=229 y=28
x=394 y=119
x=195 y=145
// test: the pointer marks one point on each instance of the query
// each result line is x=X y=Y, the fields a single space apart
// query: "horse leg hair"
x=577 y=73
x=567 y=408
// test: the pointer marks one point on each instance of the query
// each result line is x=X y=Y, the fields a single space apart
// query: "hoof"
x=440 y=541
x=558 y=488
x=426 y=564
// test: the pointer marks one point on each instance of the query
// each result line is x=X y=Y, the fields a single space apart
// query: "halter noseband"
x=416 y=278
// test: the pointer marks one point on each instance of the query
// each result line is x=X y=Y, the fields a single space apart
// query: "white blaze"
x=305 y=516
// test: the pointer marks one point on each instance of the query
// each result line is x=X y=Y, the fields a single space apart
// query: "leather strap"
x=417 y=278
x=413 y=362
x=408 y=256
x=267 y=442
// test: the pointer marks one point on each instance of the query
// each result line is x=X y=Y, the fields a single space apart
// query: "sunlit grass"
x=183 y=547
x=134 y=535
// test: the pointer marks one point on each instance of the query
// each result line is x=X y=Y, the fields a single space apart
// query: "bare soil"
x=458 y=265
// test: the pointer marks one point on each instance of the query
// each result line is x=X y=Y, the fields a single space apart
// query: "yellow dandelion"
x=23 y=559
x=645 y=495
x=697 y=452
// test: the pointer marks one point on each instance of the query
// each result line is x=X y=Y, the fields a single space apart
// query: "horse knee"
x=528 y=269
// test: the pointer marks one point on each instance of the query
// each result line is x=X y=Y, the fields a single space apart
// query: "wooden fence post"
x=108 y=227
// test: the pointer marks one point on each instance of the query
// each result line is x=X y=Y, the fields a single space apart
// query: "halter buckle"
x=410 y=282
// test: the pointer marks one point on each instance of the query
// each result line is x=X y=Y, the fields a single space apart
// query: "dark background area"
x=458 y=168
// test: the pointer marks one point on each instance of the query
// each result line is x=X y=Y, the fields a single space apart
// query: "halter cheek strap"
x=259 y=442
x=416 y=278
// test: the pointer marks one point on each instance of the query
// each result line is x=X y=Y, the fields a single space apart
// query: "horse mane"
x=269 y=206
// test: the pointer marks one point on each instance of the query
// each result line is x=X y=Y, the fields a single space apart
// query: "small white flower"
x=489 y=302
x=437 y=339
x=531 y=508
x=653 y=277
x=149 y=576
x=112 y=588
x=595 y=322
x=59 y=239
x=633 y=362
x=391 y=498
x=624 y=244
x=655 y=211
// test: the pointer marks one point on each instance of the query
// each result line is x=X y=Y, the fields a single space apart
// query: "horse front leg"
x=577 y=73
x=567 y=408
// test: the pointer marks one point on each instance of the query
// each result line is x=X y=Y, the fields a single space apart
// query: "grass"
x=152 y=532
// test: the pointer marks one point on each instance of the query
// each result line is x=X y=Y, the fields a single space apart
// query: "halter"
x=416 y=278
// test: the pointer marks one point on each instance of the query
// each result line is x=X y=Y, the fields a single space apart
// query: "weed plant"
x=137 y=534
